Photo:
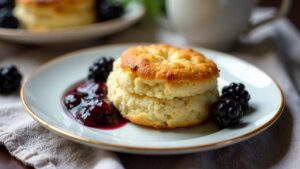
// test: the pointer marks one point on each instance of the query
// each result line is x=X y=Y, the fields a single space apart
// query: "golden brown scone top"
x=165 y=62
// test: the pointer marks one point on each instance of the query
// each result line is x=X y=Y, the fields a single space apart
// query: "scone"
x=163 y=86
x=42 y=15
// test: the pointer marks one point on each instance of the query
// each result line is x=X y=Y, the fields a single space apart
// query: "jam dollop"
x=86 y=101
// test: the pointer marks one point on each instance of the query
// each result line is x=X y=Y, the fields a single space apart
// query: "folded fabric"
x=36 y=146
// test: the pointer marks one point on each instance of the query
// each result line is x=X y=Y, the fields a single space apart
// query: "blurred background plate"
x=134 y=12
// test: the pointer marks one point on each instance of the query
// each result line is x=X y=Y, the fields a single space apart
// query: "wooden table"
x=8 y=162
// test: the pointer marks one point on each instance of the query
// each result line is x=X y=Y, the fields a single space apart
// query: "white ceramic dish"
x=42 y=92
x=134 y=12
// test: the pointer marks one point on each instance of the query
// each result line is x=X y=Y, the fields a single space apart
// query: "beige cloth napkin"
x=35 y=146
x=277 y=147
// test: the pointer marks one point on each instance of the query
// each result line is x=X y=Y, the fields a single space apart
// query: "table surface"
x=9 y=162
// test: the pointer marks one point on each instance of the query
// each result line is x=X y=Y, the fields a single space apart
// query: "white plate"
x=42 y=92
x=134 y=12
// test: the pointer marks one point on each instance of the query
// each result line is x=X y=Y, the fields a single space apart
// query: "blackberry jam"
x=86 y=101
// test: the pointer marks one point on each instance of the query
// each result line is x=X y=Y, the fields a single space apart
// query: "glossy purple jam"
x=86 y=101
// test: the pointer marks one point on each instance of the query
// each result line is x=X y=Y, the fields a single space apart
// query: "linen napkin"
x=35 y=146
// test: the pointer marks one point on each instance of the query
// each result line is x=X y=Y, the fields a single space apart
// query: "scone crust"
x=165 y=62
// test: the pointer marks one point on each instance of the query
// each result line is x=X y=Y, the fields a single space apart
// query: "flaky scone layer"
x=160 y=113
x=160 y=88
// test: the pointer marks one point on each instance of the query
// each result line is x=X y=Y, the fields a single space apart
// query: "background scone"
x=40 y=15
x=164 y=71
x=162 y=86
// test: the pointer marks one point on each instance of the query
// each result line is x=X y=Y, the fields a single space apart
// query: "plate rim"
x=135 y=149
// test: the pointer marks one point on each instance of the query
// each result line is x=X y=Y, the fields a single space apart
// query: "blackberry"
x=106 y=11
x=100 y=70
x=10 y=79
x=238 y=93
x=7 y=20
x=226 y=112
